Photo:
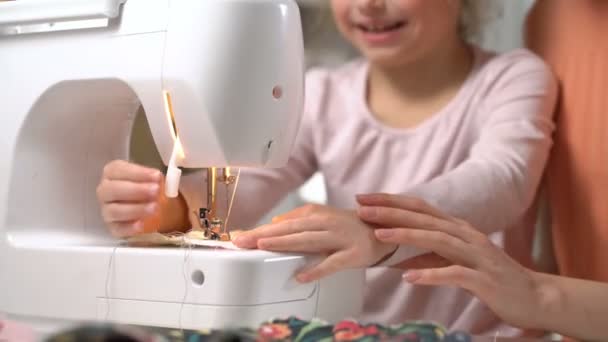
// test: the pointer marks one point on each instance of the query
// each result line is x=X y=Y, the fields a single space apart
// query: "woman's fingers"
x=429 y=260
x=125 y=171
x=395 y=217
x=456 y=275
x=446 y=245
x=250 y=238
x=400 y=202
x=402 y=211
x=305 y=242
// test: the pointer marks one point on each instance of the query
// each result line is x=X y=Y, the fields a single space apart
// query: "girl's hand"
x=340 y=235
x=510 y=290
x=132 y=201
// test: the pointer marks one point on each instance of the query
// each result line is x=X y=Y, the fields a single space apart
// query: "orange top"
x=572 y=36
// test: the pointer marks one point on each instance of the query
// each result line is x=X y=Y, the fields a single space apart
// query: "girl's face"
x=397 y=32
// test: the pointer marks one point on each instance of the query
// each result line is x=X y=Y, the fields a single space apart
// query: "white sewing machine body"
x=73 y=75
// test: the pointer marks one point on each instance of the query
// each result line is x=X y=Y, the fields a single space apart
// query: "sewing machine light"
x=169 y=113
x=174 y=173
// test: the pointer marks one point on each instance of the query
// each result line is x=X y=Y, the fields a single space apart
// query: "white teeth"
x=378 y=28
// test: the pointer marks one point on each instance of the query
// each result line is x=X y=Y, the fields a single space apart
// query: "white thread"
x=187 y=253
x=236 y=184
x=496 y=335
x=225 y=228
x=107 y=285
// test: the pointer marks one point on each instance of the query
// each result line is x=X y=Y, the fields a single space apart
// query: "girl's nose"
x=371 y=7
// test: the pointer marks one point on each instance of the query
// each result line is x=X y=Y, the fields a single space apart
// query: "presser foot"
x=213 y=228
x=216 y=236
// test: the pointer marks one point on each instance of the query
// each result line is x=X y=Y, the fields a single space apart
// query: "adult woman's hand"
x=479 y=266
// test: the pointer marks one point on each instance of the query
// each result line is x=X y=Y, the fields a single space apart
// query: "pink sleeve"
x=497 y=184
x=259 y=190
x=15 y=331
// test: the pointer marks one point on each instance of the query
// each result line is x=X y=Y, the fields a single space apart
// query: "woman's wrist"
x=550 y=305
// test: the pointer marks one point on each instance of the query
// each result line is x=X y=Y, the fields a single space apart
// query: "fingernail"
x=155 y=174
x=362 y=197
x=368 y=212
x=412 y=276
x=264 y=244
x=243 y=241
x=137 y=226
x=154 y=189
x=303 y=278
x=151 y=208
x=384 y=233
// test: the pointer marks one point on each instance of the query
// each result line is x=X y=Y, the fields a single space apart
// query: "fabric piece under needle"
x=196 y=238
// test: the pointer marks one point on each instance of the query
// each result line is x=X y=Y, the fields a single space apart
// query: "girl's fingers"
x=127 y=191
x=125 y=171
x=299 y=212
x=458 y=276
x=447 y=246
x=127 y=212
x=306 y=242
x=332 y=264
x=126 y=229
x=250 y=238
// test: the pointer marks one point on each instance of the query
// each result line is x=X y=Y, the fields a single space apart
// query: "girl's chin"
x=385 y=57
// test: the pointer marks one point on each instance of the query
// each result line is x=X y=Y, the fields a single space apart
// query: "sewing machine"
x=221 y=84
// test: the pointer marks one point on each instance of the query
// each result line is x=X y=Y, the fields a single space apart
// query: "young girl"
x=423 y=113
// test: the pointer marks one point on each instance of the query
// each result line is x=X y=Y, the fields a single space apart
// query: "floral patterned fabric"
x=290 y=330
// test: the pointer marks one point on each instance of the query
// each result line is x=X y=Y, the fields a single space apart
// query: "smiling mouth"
x=381 y=28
